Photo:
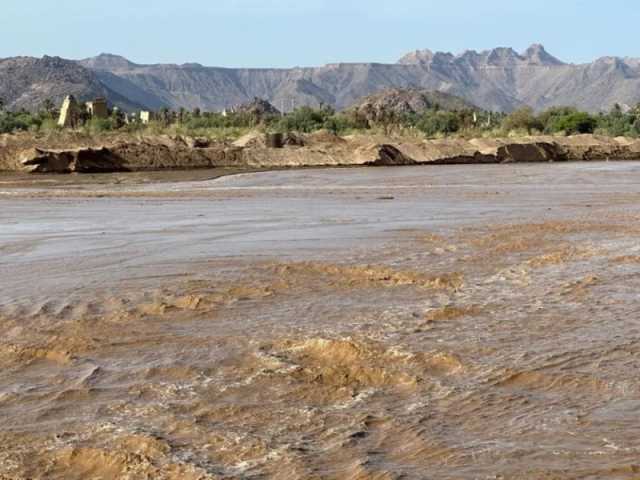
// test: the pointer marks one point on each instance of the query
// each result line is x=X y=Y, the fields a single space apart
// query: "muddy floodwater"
x=451 y=322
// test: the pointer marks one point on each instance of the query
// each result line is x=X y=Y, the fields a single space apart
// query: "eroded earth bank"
x=451 y=322
x=67 y=152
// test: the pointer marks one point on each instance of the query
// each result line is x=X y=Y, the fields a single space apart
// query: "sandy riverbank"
x=69 y=152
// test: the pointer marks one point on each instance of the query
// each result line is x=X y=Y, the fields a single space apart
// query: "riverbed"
x=462 y=322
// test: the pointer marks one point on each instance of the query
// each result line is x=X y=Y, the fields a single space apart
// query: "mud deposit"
x=472 y=322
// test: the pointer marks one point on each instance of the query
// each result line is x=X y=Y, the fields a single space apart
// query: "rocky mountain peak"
x=537 y=55
x=502 y=57
x=497 y=57
x=417 y=57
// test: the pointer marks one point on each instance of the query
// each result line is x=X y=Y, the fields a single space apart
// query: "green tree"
x=577 y=122
x=617 y=123
x=549 y=117
x=338 y=124
x=305 y=119
x=17 y=121
x=522 y=119
x=434 y=122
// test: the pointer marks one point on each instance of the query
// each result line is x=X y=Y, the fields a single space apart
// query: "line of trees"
x=22 y=120
x=570 y=121
x=431 y=123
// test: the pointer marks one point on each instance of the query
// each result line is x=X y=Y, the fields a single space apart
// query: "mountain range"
x=500 y=79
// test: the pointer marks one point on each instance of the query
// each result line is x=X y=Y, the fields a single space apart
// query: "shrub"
x=549 y=117
x=98 y=125
x=434 y=122
x=19 y=121
x=616 y=123
x=49 y=125
x=340 y=123
x=305 y=119
x=522 y=119
x=578 y=122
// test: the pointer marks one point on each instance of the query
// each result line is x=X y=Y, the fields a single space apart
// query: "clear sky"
x=286 y=33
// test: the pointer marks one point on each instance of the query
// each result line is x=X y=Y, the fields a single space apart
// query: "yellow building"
x=69 y=113
x=98 y=108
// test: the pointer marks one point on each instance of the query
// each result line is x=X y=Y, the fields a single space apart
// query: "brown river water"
x=451 y=322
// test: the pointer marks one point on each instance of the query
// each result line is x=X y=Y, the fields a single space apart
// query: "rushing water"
x=458 y=322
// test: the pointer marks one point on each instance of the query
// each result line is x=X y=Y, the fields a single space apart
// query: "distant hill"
x=407 y=101
x=26 y=82
x=499 y=79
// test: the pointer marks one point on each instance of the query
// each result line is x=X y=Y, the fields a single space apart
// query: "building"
x=145 y=117
x=98 y=108
x=70 y=114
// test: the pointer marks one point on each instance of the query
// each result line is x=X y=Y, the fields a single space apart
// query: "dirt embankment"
x=77 y=153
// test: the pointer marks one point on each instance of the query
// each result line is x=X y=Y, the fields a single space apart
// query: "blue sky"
x=286 y=33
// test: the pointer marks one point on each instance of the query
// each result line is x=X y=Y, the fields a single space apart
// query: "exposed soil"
x=72 y=152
